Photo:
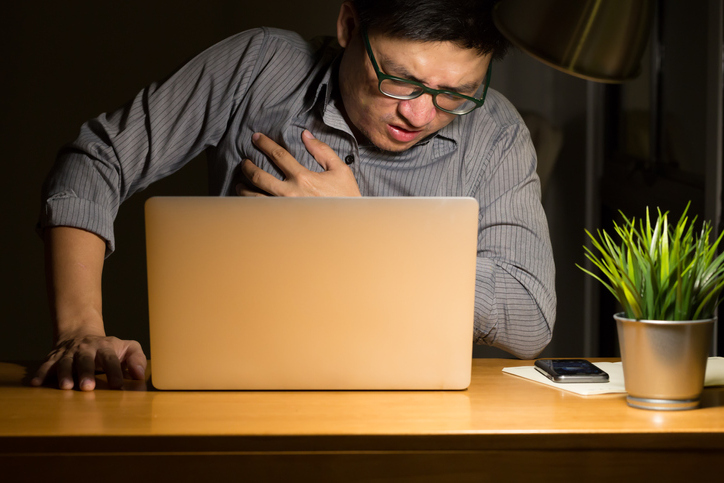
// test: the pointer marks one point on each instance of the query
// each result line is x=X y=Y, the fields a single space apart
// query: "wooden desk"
x=502 y=428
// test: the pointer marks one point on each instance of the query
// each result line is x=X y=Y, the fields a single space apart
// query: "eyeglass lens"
x=446 y=101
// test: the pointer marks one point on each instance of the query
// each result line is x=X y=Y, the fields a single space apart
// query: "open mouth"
x=403 y=135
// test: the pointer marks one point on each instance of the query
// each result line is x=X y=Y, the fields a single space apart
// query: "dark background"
x=66 y=62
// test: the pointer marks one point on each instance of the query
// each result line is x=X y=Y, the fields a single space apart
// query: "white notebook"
x=311 y=293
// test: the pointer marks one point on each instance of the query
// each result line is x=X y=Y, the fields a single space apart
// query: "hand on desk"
x=337 y=178
x=74 y=265
x=84 y=355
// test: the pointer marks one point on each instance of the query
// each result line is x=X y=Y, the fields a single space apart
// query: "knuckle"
x=256 y=177
x=287 y=191
x=306 y=183
x=277 y=152
x=303 y=178
x=134 y=344
x=94 y=343
x=86 y=346
x=325 y=148
x=112 y=340
x=55 y=354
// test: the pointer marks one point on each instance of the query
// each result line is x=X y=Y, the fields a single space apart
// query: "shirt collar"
x=320 y=91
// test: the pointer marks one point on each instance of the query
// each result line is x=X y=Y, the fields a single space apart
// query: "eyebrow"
x=405 y=74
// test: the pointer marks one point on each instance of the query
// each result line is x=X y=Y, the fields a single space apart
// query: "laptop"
x=311 y=293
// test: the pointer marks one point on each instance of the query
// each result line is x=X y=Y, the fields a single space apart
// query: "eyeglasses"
x=447 y=101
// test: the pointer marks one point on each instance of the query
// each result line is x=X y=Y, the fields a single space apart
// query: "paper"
x=714 y=377
x=714 y=372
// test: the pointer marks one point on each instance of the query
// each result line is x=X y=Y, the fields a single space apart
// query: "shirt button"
x=349 y=159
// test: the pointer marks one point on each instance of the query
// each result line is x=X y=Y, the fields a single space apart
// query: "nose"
x=418 y=112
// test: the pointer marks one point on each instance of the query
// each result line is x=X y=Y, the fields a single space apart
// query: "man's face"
x=393 y=124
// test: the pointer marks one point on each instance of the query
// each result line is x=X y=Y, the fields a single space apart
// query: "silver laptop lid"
x=311 y=293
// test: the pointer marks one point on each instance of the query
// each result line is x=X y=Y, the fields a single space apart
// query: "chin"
x=384 y=143
x=391 y=147
x=397 y=148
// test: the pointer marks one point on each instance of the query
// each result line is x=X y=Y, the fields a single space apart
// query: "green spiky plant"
x=660 y=272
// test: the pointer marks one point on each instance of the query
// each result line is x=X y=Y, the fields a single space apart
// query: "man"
x=403 y=109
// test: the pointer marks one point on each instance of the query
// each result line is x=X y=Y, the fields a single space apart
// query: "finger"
x=42 y=373
x=244 y=189
x=107 y=359
x=325 y=156
x=64 y=369
x=241 y=190
x=260 y=178
x=85 y=368
x=136 y=361
x=278 y=155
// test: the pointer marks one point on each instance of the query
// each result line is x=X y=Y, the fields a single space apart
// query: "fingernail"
x=255 y=137
x=35 y=381
x=66 y=384
x=307 y=135
x=86 y=385
x=140 y=371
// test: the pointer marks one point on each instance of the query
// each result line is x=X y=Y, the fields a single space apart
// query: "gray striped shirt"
x=272 y=81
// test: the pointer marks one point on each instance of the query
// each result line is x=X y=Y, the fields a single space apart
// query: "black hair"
x=467 y=23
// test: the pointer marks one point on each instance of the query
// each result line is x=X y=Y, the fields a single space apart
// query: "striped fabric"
x=272 y=81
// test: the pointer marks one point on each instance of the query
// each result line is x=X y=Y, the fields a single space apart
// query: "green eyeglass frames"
x=447 y=101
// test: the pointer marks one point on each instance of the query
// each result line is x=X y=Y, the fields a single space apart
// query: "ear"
x=347 y=23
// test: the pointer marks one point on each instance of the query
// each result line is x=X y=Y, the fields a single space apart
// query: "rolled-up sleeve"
x=165 y=126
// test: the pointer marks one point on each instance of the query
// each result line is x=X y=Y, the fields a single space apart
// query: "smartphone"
x=570 y=370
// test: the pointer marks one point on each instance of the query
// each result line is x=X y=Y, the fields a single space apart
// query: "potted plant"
x=668 y=279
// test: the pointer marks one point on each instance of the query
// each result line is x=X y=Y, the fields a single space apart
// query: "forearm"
x=515 y=299
x=74 y=265
x=513 y=311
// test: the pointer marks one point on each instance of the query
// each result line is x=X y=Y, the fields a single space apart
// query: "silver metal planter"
x=664 y=361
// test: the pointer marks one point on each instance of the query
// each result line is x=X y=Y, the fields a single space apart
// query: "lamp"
x=598 y=40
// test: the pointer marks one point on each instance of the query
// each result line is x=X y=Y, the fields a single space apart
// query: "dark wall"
x=65 y=62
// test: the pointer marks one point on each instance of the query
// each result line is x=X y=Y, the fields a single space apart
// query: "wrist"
x=78 y=324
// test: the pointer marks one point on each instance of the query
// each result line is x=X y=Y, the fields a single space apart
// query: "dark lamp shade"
x=598 y=40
